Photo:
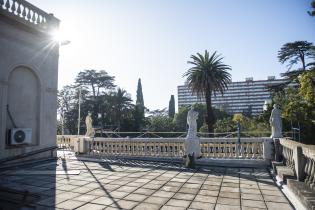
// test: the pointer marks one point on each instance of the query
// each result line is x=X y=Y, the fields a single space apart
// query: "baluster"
x=224 y=150
x=306 y=169
x=13 y=7
x=312 y=174
x=28 y=16
x=24 y=12
x=1 y=3
x=31 y=14
x=7 y=5
x=19 y=10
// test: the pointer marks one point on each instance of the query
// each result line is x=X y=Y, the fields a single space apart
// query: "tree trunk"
x=210 y=116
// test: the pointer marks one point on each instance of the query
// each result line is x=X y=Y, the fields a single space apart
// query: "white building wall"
x=28 y=83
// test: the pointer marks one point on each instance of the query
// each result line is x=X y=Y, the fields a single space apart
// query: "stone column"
x=268 y=150
x=299 y=162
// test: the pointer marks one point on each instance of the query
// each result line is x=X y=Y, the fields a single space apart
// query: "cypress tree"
x=139 y=94
x=171 y=107
x=139 y=108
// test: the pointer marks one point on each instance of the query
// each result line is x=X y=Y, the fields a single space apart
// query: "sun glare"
x=60 y=37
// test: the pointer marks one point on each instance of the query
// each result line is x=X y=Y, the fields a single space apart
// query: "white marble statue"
x=275 y=122
x=89 y=127
x=192 y=117
x=192 y=142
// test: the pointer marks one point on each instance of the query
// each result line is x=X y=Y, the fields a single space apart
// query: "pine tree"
x=171 y=107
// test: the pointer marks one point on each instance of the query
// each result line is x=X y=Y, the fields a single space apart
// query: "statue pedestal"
x=192 y=147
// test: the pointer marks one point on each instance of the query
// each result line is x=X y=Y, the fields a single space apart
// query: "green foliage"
x=312 y=12
x=95 y=81
x=298 y=107
x=112 y=109
x=180 y=119
x=208 y=75
x=307 y=90
x=139 y=109
x=295 y=53
x=250 y=126
x=171 y=107
x=160 y=123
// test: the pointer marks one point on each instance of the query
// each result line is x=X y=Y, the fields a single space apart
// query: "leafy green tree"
x=312 y=13
x=171 y=107
x=307 y=90
x=209 y=75
x=180 y=119
x=121 y=105
x=295 y=53
x=160 y=123
x=95 y=80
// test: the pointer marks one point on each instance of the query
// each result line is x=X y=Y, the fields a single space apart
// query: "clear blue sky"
x=153 y=39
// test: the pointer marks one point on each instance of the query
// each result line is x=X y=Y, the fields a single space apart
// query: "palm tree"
x=121 y=105
x=208 y=76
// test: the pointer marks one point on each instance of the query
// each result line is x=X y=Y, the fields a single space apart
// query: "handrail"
x=27 y=154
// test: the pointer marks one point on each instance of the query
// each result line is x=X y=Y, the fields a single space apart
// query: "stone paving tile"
x=188 y=190
x=172 y=208
x=52 y=201
x=229 y=201
x=209 y=193
x=135 y=197
x=91 y=206
x=256 y=197
x=277 y=199
x=147 y=206
x=253 y=203
x=179 y=203
x=144 y=191
x=206 y=199
x=156 y=200
x=226 y=207
x=229 y=194
x=184 y=196
x=201 y=205
x=124 y=204
x=271 y=192
x=277 y=206
x=69 y=204
x=163 y=194
x=104 y=201
x=85 y=198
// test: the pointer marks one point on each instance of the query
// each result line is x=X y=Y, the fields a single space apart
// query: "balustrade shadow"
x=27 y=187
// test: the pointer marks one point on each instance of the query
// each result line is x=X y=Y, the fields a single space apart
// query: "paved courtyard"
x=121 y=184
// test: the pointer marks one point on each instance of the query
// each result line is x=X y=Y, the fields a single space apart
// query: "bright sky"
x=153 y=39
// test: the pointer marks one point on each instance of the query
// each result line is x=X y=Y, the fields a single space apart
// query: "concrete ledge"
x=285 y=173
x=252 y=163
x=303 y=192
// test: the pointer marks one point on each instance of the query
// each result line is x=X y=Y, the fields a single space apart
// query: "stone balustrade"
x=66 y=141
x=248 y=148
x=297 y=169
x=26 y=13
x=214 y=148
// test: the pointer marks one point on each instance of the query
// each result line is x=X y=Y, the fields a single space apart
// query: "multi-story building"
x=246 y=97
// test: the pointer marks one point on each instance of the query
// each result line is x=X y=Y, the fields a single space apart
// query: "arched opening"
x=24 y=101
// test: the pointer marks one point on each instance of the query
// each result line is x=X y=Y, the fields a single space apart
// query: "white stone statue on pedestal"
x=275 y=122
x=192 y=142
x=89 y=127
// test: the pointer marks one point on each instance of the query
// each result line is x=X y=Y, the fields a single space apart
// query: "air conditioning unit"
x=20 y=136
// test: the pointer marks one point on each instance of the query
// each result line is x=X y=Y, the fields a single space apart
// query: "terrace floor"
x=121 y=184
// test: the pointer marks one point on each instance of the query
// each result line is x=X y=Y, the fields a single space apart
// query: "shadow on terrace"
x=118 y=183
